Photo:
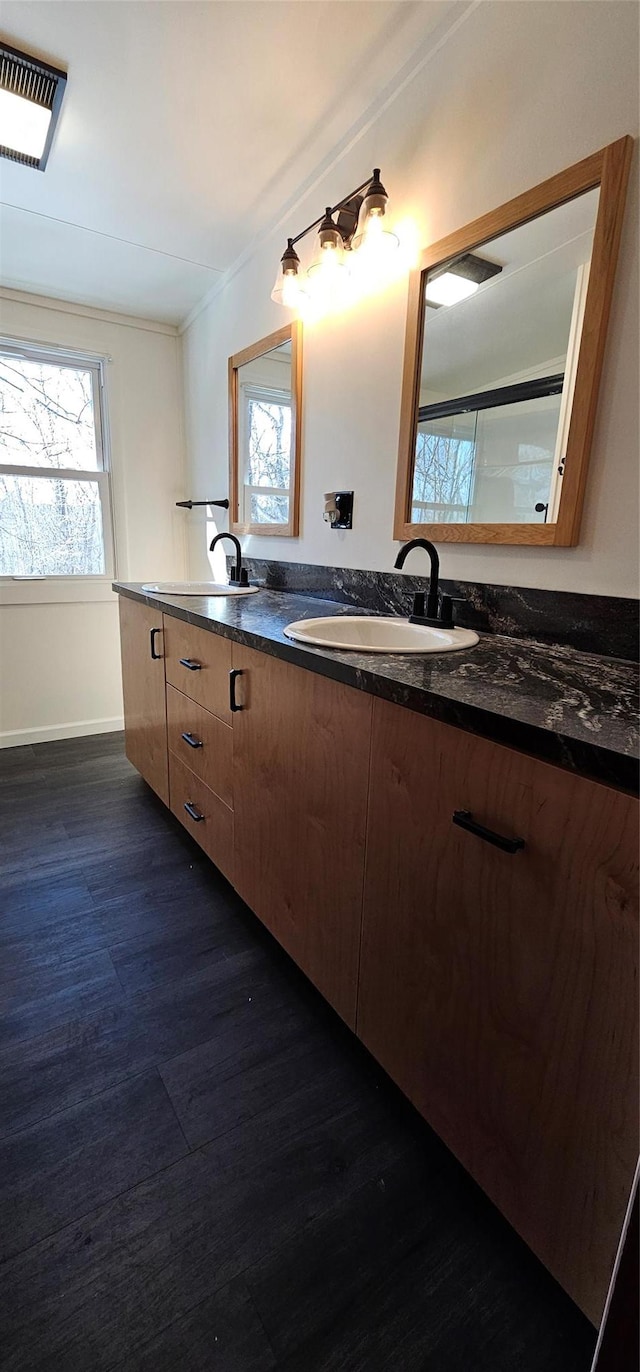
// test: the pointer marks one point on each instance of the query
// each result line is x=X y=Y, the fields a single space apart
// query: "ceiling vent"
x=31 y=94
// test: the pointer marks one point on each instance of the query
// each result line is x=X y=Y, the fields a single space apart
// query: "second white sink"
x=197 y=588
x=370 y=634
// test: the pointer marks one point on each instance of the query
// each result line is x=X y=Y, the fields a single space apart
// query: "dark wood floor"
x=200 y=1169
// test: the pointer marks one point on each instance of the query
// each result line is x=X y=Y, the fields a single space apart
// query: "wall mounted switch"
x=338 y=509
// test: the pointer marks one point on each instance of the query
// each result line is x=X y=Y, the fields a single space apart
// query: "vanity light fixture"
x=458 y=280
x=31 y=94
x=351 y=229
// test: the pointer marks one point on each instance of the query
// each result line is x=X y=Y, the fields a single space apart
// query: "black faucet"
x=238 y=575
x=439 y=608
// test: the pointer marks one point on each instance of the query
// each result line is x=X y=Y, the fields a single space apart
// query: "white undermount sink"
x=197 y=588
x=370 y=634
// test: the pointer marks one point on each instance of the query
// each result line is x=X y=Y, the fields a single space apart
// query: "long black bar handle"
x=190 y=504
x=193 y=742
x=190 y=664
x=191 y=810
x=152 y=639
x=464 y=819
x=233 y=677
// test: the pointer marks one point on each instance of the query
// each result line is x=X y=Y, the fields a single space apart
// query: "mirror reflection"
x=265 y=438
x=500 y=343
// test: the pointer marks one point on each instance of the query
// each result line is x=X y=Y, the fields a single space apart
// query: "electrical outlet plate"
x=344 y=505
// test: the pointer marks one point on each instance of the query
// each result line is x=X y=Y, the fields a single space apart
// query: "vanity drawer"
x=206 y=677
x=208 y=819
x=207 y=748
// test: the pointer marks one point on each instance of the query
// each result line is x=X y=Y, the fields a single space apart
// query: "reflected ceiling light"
x=349 y=234
x=448 y=289
x=458 y=280
x=31 y=94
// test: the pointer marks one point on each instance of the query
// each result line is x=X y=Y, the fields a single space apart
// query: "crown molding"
x=125 y=321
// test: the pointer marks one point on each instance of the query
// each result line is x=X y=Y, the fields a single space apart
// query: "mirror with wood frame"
x=505 y=339
x=265 y=419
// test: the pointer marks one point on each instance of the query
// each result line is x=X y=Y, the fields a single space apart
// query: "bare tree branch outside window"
x=442 y=478
x=50 y=525
x=268 y=457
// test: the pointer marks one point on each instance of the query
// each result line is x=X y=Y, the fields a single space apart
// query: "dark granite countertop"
x=570 y=708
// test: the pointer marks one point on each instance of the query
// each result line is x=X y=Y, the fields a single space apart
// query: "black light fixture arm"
x=349 y=202
x=332 y=209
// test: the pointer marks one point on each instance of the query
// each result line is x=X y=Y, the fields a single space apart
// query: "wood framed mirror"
x=265 y=435
x=506 y=328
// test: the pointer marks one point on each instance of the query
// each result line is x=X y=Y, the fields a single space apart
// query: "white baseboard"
x=16 y=738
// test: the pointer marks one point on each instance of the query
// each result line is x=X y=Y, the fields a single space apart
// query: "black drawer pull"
x=465 y=820
x=152 y=636
x=191 y=810
x=233 y=676
x=189 y=663
x=193 y=742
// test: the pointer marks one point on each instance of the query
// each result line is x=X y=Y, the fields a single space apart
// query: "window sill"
x=55 y=590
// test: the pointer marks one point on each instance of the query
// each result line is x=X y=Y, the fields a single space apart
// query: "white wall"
x=60 y=657
x=518 y=92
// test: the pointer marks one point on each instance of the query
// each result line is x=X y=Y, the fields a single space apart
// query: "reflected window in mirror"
x=505 y=337
x=265 y=407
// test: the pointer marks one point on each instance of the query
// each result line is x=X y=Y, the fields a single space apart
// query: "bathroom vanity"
x=456 y=875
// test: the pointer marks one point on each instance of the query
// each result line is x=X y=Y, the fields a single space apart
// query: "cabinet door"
x=202 y=742
x=499 y=989
x=208 y=819
x=145 y=720
x=198 y=663
x=301 y=757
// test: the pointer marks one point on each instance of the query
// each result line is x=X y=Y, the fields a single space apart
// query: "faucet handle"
x=419 y=602
x=445 y=611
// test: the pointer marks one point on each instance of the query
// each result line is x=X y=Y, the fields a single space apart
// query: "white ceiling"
x=185 y=128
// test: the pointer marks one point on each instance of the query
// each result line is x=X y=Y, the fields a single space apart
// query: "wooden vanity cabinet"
x=301 y=767
x=145 y=722
x=499 y=989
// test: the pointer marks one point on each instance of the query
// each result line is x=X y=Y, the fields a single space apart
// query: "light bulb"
x=328 y=281
x=374 y=254
x=291 y=290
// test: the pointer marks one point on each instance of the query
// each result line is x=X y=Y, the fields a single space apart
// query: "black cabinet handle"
x=465 y=820
x=189 y=663
x=152 y=639
x=233 y=676
x=193 y=742
x=191 y=810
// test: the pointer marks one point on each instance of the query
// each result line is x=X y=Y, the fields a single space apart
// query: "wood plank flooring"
x=201 y=1170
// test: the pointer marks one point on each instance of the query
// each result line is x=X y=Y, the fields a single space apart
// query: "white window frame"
x=17 y=589
x=271 y=395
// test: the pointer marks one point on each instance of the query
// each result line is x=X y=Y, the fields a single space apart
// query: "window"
x=55 y=510
x=444 y=472
x=267 y=455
